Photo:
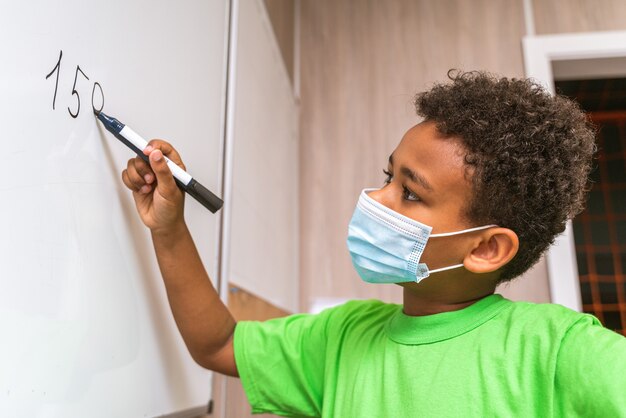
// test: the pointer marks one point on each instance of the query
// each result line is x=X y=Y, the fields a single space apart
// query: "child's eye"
x=389 y=175
x=409 y=195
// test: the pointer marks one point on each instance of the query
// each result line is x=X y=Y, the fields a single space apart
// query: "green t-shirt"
x=495 y=358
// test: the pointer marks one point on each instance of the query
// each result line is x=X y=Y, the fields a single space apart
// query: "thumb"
x=165 y=181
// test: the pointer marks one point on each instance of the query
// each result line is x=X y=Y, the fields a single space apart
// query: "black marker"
x=184 y=180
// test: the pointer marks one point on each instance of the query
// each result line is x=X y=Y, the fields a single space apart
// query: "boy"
x=474 y=195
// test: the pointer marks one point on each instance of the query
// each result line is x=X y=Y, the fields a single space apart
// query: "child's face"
x=431 y=184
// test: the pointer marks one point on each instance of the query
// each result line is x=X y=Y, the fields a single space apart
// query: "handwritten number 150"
x=57 y=69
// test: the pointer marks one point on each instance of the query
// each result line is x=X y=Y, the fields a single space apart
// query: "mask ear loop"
x=447 y=234
x=455 y=266
x=465 y=231
x=429 y=272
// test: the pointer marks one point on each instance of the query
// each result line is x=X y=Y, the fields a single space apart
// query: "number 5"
x=74 y=92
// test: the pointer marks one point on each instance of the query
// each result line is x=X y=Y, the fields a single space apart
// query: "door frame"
x=539 y=53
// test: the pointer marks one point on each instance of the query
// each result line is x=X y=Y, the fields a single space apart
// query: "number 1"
x=56 y=68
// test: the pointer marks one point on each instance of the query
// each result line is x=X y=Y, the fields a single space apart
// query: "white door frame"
x=539 y=53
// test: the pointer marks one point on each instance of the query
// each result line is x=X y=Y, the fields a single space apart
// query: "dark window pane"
x=568 y=87
x=608 y=292
x=594 y=175
x=614 y=103
x=579 y=236
x=619 y=84
x=623 y=259
x=611 y=143
x=581 y=260
x=595 y=202
x=604 y=264
x=600 y=233
x=620 y=231
x=618 y=201
x=585 y=293
x=617 y=174
x=596 y=85
x=612 y=320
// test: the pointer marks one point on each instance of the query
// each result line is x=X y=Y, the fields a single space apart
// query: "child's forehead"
x=439 y=158
x=424 y=142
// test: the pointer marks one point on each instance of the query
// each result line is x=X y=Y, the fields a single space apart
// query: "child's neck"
x=439 y=293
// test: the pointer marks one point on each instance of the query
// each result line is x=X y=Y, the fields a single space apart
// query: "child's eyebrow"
x=413 y=175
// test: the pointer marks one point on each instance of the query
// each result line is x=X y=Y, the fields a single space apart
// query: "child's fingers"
x=167 y=149
x=144 y=170
x=127 y=182
x=136 y=174
x=165 y=181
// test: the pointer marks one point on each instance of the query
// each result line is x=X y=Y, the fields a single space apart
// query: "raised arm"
x=204 y=322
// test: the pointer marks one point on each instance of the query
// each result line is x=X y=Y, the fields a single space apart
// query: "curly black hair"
x=531 y=154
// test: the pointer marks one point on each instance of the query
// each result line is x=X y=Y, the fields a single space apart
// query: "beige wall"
x=283 y=18
x=562 y=16
x=361 y=63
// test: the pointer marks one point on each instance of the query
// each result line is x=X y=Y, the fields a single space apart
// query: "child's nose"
x=384 y=196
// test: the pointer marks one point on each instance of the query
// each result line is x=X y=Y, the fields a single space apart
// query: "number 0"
x=92 y=97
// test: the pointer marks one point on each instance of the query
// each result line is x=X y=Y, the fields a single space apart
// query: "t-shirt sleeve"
x=591 y=371
x=281 y=363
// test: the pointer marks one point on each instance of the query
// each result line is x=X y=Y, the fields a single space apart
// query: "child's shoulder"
x=365 y=307
x=547 y=315
x=553 y=310
x=361 y=312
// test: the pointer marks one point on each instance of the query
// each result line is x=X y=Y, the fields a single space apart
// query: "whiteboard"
x=262 y=212
x=85 y=327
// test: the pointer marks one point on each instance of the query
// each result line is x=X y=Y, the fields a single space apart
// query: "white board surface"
x=85 y=328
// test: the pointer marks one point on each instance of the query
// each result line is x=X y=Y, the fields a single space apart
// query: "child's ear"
x=491 y=250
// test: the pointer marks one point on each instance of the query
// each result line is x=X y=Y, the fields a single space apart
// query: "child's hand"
x=158 y=199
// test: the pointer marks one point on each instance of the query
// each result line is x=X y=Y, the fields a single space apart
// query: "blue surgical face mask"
x=386 y=246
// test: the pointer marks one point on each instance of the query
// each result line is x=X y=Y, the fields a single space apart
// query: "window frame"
x=539 y=54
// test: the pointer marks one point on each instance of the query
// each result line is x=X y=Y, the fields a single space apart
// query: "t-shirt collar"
x=413 y=330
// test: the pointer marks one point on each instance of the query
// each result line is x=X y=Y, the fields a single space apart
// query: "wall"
x=361 y=64
x=563 y=16
x=283 y=18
